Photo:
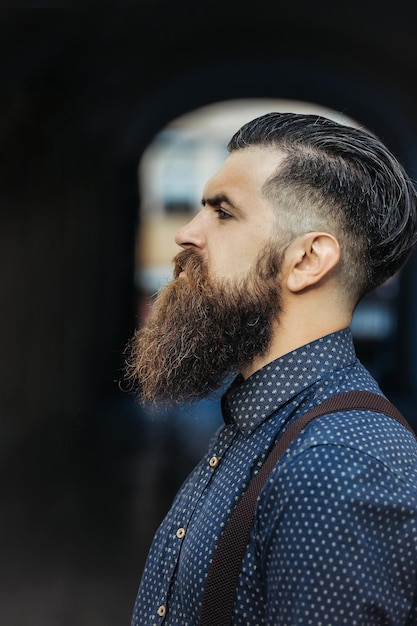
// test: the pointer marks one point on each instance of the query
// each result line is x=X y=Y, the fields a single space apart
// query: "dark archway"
x=83 y=93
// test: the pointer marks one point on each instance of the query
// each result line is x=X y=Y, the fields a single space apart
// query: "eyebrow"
x=217 y=200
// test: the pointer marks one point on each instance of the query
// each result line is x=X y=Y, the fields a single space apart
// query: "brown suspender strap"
x=223 y=575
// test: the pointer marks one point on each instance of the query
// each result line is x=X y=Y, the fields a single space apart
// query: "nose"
x=191 y=235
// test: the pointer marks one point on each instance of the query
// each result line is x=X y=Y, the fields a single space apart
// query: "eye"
x=222 y=214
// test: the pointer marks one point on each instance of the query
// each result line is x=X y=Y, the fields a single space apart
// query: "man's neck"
x=285 y=341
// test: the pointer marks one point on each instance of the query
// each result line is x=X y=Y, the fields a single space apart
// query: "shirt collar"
x=247 y=403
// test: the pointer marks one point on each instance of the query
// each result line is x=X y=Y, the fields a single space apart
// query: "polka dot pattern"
x=335 y=536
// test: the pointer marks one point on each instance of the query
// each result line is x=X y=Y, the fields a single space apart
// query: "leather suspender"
x=221 y=583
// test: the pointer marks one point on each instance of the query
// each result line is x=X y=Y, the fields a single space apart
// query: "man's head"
x=304 y=216
x=341 y=180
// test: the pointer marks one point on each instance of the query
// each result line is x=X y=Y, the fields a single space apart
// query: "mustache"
x=191 y=263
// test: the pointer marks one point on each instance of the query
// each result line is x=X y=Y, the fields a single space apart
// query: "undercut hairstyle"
x=344 y=181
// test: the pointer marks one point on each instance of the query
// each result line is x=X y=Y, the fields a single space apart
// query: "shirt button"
x=214 y=461
x=162 y=610
x=181 y=533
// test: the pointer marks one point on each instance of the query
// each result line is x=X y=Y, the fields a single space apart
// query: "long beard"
x=201 y=330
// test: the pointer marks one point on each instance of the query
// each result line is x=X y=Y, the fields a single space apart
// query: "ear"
x=310 y=258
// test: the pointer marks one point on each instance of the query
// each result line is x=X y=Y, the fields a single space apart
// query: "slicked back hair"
x=342 y=180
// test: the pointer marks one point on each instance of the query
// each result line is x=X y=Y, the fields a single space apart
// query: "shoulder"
x=363 y=432
x=344 y=452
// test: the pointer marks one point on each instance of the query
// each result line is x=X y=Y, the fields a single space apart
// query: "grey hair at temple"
x=343 y=180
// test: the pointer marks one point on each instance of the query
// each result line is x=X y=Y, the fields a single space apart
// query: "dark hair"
x=344 y=180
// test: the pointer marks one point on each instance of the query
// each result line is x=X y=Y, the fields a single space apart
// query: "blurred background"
x=111 y=120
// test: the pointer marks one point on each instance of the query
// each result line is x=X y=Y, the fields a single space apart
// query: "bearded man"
x=304 y=217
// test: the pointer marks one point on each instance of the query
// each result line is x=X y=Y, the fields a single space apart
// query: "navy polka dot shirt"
x=335 y=536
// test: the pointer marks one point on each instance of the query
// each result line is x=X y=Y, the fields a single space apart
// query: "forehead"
x=245 y=170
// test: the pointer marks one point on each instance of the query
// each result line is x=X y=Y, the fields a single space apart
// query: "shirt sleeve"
x=336 y=532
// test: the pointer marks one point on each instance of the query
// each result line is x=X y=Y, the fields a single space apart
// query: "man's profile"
x=303 y=219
